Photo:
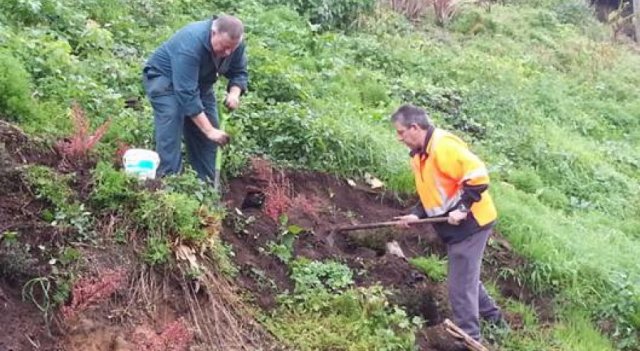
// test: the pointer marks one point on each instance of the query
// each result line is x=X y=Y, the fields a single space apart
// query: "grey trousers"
x=171 y=125
x=468 y=298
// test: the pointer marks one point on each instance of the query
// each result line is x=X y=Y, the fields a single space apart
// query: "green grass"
x=536 y=88
x=326 y=312
x=432 y=266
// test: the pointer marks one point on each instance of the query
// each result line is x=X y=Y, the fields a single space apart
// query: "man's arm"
x=185 y=67
x=470 y=171
x=238 y=77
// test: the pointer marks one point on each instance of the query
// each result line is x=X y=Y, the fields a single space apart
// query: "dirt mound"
x=24 y=239
x=317 y=203
x=99 y=297
x=23 y=149
x=23 y=327
x=116 y=306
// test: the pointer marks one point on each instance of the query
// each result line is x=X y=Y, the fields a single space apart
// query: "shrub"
x=113 y=189
x=158 y=251
x=331 y=13
x=170 y=215
x=15 y=89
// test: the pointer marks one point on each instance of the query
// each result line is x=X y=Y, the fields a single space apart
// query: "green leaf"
x=295 y=229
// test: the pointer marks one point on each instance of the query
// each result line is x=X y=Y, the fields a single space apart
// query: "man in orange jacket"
x=451 y=181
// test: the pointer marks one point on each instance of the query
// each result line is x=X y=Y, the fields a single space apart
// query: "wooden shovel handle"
x=388 y=224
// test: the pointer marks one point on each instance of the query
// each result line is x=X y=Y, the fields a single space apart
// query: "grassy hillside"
x=536 y=87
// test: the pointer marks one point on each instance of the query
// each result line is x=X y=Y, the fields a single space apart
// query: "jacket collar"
x=422 y=151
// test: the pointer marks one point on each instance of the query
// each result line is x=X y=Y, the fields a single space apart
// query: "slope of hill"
x=537 y=87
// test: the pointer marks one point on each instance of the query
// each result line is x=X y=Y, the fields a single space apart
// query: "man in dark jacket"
x=178 y=79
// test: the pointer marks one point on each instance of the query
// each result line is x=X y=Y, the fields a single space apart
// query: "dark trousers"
x=468 y=298
x=171 y=125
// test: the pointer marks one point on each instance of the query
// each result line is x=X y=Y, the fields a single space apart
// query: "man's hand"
x=406 y=220
x=456 y=216
x=232 y=101
x=218 y=136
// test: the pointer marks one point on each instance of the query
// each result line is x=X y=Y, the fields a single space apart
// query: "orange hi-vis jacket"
x=448 y=174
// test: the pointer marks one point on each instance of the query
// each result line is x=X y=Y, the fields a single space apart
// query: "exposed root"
x=221 y=319
x=218 y=318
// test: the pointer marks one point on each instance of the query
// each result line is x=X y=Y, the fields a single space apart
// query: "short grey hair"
x=408 y=115
x=230 y=25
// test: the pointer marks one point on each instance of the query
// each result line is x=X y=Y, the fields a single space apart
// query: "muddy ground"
x=320 y=202
x=117 y=306
x=106 y=311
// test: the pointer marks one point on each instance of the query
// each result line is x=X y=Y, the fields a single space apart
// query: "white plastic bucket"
x=141 y=163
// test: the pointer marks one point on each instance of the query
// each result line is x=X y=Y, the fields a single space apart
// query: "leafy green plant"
x=15 y=99
x=314 y=275
x=331 y=13
x=223 y=254
x=356 y=319
x=69 y=255
x=170 y=215
x=76 y=217
x=432 y=266
x=624 y=307
x=286 y=238
x=157 y=251
x=113 y=189
x=49 y=185
x=189 y=184
x=68 y=213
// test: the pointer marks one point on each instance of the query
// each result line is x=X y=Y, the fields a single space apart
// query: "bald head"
x=227 y=32
x=230 y=25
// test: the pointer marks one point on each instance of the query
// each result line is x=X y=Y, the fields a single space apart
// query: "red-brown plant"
x=90 y=291
x=81 y=142
x=277 y=196
x=277 y=188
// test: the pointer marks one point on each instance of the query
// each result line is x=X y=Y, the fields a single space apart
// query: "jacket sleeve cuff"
x=472 y=193
x=240 y=83
x=193 y=108
x=419 y=211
